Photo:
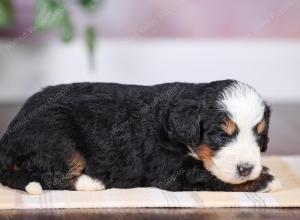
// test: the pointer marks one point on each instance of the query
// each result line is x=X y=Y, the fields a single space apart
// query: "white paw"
x=86 y=183
x=34 y=188
x=272 y=186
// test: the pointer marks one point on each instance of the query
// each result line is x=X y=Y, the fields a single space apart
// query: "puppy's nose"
x=244 y=169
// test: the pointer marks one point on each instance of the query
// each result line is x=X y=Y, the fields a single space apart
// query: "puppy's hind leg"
x=22 y=181
x=76 y=176
x=87 y=183
x=38 y=173
x=34 y=188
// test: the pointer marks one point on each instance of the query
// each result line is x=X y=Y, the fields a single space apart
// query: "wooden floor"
x=285 y=139
x=154 y=214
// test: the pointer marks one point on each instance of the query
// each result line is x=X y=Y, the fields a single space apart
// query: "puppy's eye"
x=222 y=136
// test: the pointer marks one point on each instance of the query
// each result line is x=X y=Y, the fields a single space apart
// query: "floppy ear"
x=264 y=140
x=184 y=122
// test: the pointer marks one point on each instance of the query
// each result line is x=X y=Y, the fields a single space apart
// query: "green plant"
x=6 y=13
x=55 y=15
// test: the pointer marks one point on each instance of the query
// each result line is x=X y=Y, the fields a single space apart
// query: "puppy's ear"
x=184 y=122
x=264 y=139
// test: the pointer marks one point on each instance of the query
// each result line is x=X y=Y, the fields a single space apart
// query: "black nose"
x=244 y=169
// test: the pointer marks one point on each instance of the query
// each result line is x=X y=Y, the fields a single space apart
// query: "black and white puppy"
x=175 y=136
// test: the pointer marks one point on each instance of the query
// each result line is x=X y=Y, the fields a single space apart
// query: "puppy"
x=175 y=136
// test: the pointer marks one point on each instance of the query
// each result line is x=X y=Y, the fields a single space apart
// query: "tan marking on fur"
x=15 y=168
x=261 y=127
x=244 y=187
x=76 y=166
x=229 y=127
x=205 y=153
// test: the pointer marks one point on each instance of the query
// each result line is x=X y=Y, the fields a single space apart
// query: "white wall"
x=273 y=67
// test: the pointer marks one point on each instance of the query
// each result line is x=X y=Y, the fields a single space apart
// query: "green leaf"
x=90 y=5
x=6 y=13
x=68 y=30
x=90 y=36
x=49 y=14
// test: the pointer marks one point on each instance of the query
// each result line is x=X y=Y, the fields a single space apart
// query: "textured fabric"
x=287 y=169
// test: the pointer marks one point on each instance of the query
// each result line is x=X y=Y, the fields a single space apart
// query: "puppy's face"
x=233 y=131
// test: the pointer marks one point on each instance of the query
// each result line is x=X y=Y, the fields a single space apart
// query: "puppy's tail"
x=12 y=177
x=6 y=169
x=5 y=157
x=9 y=174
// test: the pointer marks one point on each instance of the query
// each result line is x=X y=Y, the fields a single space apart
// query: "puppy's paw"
x=34 y=188
x=272 y=186
x=86 y=183
x=266 y=182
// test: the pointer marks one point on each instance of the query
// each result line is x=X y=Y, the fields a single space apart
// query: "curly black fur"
x=129 y=135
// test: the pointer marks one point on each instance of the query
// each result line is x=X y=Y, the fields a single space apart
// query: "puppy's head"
x=227 y=129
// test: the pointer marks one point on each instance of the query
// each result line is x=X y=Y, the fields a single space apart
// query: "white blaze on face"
x=246 y=109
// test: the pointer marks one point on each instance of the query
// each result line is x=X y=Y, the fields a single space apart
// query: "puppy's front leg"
x=266 y=182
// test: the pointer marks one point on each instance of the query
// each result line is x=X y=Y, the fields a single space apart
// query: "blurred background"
x=47 y=42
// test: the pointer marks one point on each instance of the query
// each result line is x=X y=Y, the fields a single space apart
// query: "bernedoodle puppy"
x=174 y=136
